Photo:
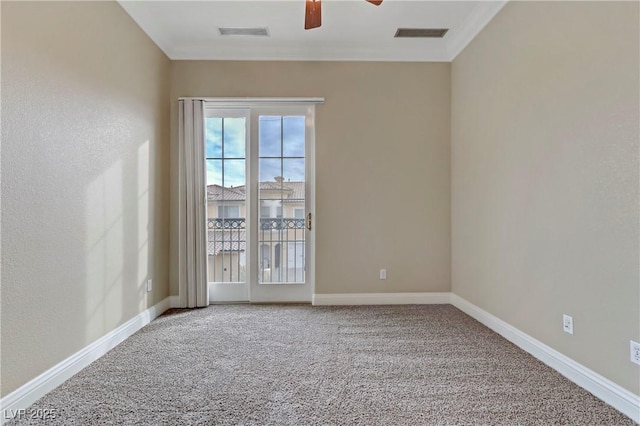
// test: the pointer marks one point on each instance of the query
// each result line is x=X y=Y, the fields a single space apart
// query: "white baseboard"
x=381 y=299
x=603 y=388
x=174 y=302
x=35 y=389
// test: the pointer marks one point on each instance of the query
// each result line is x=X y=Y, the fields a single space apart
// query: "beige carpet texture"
x=303 y=365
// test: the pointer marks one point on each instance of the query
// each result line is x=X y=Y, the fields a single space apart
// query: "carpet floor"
x=303 y=365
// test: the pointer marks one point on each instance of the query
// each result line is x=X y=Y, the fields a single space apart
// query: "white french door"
x=260 y=203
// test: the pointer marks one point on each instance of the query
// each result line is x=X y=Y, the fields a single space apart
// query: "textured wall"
x=84 y=179
x=382 y=163
x=545 y=177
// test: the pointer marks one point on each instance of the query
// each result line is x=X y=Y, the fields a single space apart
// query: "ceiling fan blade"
x=312 y=14
x=376 y=2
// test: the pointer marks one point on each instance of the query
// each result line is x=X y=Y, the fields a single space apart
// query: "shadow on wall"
x=84 y=141
x=118 y=247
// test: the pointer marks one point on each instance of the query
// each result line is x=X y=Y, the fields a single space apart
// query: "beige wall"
x=545 y=177
x=544 y=170
x=84 y=179
x=382 y=163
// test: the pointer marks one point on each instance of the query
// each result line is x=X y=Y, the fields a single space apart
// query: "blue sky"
x=279 y=137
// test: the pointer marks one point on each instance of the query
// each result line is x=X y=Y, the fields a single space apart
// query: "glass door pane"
x=281 y=198
x=225 y=147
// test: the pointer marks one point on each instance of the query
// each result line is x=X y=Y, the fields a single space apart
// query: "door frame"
x=278 y=292
x=236 y=291
x=284 y=292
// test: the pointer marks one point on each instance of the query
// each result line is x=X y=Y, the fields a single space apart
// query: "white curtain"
x=192 y=217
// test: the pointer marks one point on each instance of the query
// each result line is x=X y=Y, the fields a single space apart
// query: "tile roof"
x=293 y=191
x=217 y=192
x=234 y=240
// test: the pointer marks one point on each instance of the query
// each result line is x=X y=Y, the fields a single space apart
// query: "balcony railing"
x=265 y=224
x=219 y=223
x=281 y=249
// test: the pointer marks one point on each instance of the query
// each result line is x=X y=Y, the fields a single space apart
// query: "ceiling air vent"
x=258 y=31
x=421 y=32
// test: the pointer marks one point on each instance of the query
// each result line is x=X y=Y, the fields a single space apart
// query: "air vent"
x=227 y=31
x=421 y=32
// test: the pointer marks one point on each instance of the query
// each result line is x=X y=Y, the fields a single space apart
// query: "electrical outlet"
x=383 y=274
x=567 y=324
x=635 y=352
x=149 y=285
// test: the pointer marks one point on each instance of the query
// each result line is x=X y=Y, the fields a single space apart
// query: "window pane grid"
x=281 y=196
x=226 y=222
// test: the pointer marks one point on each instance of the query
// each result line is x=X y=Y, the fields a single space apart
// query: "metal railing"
x=265 y=224
x=281 y=249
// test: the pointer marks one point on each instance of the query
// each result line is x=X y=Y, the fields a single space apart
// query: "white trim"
x=283 y=292
x=174 y=302
x=484 y=12
x=302 y=53
x=249 y=102
x=381 y=299
x=228 y=292
x=603 y=388
x=237 y=291
x=35 y=389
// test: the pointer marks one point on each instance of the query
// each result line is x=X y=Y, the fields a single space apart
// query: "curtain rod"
x=246 y=101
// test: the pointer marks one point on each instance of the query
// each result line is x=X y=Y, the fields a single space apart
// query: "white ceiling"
x=351 y=29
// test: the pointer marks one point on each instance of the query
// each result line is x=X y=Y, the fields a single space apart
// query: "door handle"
x=309 y=221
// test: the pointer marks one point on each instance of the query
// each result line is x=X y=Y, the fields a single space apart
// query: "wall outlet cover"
x=635 y=352
x=567 y=324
